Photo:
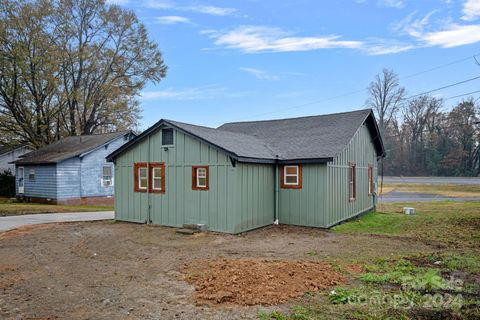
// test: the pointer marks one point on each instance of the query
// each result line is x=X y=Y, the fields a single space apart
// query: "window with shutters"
x=200 y=178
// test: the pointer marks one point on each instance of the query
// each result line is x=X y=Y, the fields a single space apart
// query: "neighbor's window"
x=167 y=137
x=370 y=179
x=107 y=176
x=352 y=182
x=291 y=177
x=140 y=174
x=31 y=175
x=200 y=178
x=157 y=177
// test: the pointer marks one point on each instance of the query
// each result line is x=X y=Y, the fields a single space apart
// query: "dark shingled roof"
x=307 y=139
x=67 y=148
x=314 y=137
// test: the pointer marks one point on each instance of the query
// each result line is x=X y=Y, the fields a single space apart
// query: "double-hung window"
x=352 y=188
x=107 y=176
x=157 y=177
x=200 y=178
x=140 y=177
x=291 y=177
x=149 y=177
x=31 y=175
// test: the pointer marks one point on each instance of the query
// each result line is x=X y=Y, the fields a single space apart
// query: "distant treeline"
x=424 y=141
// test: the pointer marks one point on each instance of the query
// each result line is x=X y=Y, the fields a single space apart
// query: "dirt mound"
x=254 y=282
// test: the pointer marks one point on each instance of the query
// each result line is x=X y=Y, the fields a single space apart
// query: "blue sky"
x=266 y=59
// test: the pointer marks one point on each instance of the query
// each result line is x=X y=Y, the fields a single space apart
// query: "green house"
x=311 y=171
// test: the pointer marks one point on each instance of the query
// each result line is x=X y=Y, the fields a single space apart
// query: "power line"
x=362 y=90
x=461 y=95
x=444 y=87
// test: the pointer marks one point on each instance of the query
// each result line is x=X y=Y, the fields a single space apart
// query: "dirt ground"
x=106 y=270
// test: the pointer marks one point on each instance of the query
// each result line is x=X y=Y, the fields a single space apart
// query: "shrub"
x=7 y=184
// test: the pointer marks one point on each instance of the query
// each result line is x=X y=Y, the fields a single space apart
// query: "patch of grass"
x=13 y=209
x=447 y=222
x=448 y=190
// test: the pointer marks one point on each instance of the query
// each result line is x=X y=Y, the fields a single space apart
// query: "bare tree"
x=385 y=98
x=72 y=67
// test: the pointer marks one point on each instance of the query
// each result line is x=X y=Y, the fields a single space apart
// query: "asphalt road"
x=397 y=196
x=13 y=222
x=433 y=180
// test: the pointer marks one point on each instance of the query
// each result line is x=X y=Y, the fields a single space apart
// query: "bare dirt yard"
x=115 y=270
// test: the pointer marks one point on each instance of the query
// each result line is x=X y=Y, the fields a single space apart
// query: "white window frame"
x=285 y=175
x=204 y=175
x=103 y=180
x=154 y=177
x=140 y=178
x=31 y=172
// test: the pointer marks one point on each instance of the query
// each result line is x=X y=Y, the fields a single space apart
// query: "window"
x=107 y=177
x=140 y=173
x=167 y=137
x=31 y=175
x=352 y=188
x=370 y=179
x=157 y=177
x=200 y=178
x=291 y=177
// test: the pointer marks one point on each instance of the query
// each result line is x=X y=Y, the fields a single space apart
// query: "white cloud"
x=196 y=93
x=260 y=74
x=254 y=39
x=206 y=9
x=453 y=35
x=392 y=3
x=380 y=49
x=411 y=26
x=118 y=2
x=471 y=10
x=172 y=20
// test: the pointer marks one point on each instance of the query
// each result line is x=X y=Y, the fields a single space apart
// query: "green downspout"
x=277 y=193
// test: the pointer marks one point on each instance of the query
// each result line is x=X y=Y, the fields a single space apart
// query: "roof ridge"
x=301 y=117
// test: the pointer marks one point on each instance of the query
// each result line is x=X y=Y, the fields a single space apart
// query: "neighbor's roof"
x=305 y=139
x=68 y=147
x=6 y=149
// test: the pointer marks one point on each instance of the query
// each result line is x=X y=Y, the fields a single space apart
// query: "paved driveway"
x=12 y=222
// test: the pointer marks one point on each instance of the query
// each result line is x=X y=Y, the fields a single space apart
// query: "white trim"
x=156 y=178
x=285 y=175
x=21 y=189
x=203 y=176
x=140 y=178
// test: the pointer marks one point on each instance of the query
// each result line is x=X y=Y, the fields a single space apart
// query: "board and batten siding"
x=219 y=208
x=305 y=206
x=44 y=185
x=338 y=206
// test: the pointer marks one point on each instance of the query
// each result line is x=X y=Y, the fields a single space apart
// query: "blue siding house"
x=9 y=154
x=72 y=170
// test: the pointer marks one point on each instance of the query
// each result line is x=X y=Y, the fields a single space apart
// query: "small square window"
x=291 y=177
x=167 y=137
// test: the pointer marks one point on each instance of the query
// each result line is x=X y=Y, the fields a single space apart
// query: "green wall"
x=240 y=198
x=338 y=207
x=323 y=200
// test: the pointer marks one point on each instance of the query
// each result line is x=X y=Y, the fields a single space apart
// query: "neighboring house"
x=10 y=154
x=72 y=170
x=311 y=171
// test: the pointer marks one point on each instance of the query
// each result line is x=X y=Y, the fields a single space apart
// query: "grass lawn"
x=12 y=209
x=441 y=284
x=448 y=190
